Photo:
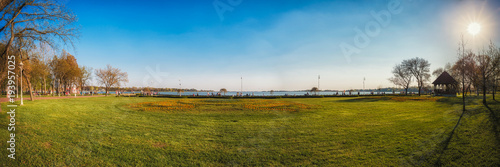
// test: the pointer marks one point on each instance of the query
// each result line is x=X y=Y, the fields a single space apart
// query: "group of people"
x=144 y=93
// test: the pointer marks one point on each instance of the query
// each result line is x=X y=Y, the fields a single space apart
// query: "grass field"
x=348 y=131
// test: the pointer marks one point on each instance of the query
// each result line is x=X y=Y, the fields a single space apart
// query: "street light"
x=318 y=81
x=180 y=88
x=364 y=79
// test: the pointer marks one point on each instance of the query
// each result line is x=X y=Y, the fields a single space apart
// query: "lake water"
x=267 y=93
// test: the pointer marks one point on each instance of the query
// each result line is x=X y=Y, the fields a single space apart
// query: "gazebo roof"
x=444 y=78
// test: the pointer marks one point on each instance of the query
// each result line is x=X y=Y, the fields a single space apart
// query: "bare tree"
x=437 y=72
x=419 y=68
x=467 y=65
x=402 y=77
x=4 y=3
x=27 y=67
x=488 y=63
x=494 y=52
x=110 y=77
x=45 y=56
x=315 y=90
x=462 y=68
x=84 y=77
x=223 y=90
x=10 y=11
x=440 y=70
x=180 y=91
x=45 y=21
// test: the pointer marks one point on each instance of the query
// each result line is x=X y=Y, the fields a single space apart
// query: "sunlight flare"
x=474 y=28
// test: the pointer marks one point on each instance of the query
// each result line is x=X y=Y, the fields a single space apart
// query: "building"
x=445 y=85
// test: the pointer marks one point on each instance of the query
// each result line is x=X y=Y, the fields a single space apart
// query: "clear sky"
x=274 y=45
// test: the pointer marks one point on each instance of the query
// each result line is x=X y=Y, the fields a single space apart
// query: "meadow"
x=338 y=131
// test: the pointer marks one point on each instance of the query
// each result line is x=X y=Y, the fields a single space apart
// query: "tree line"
x=478 y=72
x=61 y=73
x=33 y=31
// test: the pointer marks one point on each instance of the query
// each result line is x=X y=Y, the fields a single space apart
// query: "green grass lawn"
x=354 y=131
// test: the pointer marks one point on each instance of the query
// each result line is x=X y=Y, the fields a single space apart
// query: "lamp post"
x=364 y=83
x=318 y=82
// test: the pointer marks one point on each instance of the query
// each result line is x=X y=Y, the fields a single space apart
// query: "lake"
x=267 y=93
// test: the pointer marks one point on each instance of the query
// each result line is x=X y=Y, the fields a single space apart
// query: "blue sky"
x=273 y=45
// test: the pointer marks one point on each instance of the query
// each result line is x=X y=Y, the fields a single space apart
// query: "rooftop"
x=444 y=78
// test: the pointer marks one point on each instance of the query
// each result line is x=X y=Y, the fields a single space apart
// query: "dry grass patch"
x=197 y=105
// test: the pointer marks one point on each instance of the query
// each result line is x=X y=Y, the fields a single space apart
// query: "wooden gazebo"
x=445 y=85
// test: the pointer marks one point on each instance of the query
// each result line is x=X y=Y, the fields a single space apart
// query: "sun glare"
x=474 y=28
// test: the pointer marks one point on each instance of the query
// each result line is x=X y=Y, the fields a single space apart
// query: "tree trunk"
x=484 y=89
x=54 y=87
x=29 y=86
x=463 y=91
x=59 y=88
x=2 y=76
x=419 y=90
x=40 y=89
x=494 y=88
x=493 y=92
x=82 y=89
x=470 y=90
x=406 y=89
x=44 y=85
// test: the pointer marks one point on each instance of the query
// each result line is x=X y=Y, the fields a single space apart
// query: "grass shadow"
x=434 y=156
x=469 y=100
x=443 y=146
x=493 y=117
x=394 y=99
x=456 y=100
x=496 y=123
